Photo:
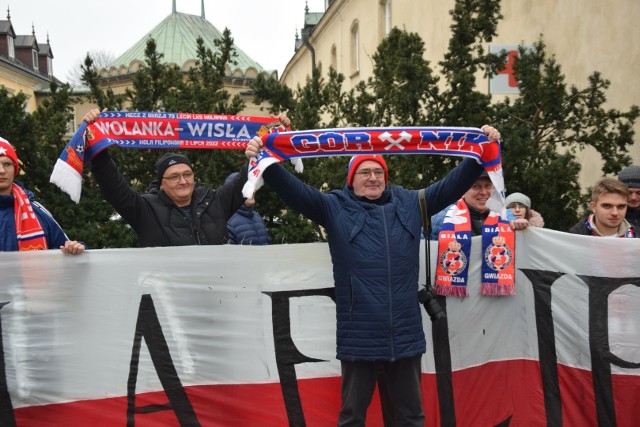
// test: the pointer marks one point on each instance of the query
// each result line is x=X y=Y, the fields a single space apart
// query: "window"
x=334 y=57
x=71 y=124
x=12 y=48
x=49 y=66
x=385 y=17
x=34 y=56
x=355 y=53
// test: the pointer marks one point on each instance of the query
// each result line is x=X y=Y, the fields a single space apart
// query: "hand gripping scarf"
x=153 y=130
x=454 y=250
x=29 y=231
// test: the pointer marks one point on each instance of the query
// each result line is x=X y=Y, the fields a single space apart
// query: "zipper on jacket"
x=197 y=215
x=389 y=284
x=192 y=224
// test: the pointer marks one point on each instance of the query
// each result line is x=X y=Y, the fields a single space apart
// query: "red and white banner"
x=245 y=336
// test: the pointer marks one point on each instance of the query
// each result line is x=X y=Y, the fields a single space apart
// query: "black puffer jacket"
x=154 y=217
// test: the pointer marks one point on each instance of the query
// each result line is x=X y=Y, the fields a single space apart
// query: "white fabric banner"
x=245 y=335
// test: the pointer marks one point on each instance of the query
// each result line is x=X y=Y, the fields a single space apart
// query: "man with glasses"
x=374 y=239
x=176 y=212
x=26 y=225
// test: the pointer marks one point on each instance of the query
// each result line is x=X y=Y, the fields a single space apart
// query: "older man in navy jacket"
x=374 y=239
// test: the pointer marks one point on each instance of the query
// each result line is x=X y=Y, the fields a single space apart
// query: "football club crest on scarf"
x=454 y=251
x=498 y=249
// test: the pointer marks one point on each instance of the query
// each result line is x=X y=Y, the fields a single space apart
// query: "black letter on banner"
x=542 y=281
x=7 y=418
x=442 y=359
x=287 y=355
x=148 y=326
x=601 y=357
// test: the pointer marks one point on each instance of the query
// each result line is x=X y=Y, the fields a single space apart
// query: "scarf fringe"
x=497 y=289
x=67 y=179
x=452 y=291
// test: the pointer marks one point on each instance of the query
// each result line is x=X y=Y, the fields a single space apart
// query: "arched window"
x=385 y=17
x=34 y=57
x=355 y=48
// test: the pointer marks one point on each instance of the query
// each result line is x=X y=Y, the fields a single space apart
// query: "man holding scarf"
x=176 y=211
x=374 y=239
x=26 y=225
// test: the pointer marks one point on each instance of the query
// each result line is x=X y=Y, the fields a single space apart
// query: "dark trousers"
x=400 y=392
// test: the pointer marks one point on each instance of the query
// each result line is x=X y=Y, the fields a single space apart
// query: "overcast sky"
x=263 y=29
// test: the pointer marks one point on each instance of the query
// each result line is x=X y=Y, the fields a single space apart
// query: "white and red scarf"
x=454 y=252
x=29 y=231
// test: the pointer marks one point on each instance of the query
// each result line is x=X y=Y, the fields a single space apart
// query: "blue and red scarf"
x=454 y=253
x=465 y=142
x=153 y=130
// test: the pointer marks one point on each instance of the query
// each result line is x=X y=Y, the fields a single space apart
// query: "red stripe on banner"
x=626 y=389
x=215 y=406
x=486 y=395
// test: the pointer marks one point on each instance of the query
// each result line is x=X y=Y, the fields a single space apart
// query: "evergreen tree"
x=547 y=125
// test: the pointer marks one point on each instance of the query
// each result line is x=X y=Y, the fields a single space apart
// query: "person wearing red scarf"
x=25 y=223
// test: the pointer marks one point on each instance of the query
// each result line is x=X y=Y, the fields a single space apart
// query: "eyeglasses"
x=7 y=165
x=188 y=176
x=366 y=173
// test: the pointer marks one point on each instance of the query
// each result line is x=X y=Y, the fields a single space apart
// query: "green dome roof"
x=176 y=37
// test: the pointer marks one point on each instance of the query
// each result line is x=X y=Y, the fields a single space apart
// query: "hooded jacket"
x=157 y=220
x=8 y=240
x=375 y=248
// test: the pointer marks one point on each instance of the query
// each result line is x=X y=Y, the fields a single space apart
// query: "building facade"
x=583 y=35
x=25 y=65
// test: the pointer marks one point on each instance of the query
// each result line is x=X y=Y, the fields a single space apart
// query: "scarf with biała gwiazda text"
x=454 y=253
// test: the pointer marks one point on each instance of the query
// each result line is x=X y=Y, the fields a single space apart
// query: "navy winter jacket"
x=8 y=240
x=375 y=251
x=246 y=227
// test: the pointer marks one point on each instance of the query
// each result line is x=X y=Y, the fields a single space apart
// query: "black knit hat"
x=630 y=176
x=168 y=160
